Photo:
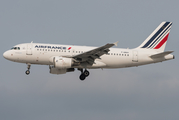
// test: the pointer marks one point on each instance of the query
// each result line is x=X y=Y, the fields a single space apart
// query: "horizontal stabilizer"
x=159 y=55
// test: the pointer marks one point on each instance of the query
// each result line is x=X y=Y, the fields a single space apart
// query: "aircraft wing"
x=91 y=55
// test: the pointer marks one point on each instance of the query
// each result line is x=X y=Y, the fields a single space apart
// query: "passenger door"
x=135 y=56
x=29 y=49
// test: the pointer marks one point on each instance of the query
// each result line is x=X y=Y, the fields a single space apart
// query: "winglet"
x=115 y=43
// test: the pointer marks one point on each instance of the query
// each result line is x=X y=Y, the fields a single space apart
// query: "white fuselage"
x=37 y=53
x=65 y=58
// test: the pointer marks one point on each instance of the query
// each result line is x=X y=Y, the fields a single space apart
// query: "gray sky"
x=139 y=93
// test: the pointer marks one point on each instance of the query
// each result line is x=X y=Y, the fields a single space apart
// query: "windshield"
x=15 y=48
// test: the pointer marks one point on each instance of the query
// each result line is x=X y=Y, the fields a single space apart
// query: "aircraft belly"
x=117 y=62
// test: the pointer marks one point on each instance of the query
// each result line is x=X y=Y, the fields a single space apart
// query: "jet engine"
x=62 y=62
x=61 y=65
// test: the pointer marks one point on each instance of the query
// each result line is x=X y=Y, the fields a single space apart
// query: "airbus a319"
x=66 y=58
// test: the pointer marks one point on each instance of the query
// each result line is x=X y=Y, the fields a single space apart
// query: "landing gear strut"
x=83 y=74
x=28 y=69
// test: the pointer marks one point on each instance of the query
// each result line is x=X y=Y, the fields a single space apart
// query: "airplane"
x=66 y=58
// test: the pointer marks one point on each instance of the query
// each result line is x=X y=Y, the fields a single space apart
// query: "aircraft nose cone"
x=5 y=55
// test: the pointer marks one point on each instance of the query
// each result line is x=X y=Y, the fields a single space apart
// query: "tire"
x=27 y=72
x=82 y=77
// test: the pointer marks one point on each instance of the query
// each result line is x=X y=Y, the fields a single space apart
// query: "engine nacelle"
x=62 y=63
x=60 y=71
x=57 y=71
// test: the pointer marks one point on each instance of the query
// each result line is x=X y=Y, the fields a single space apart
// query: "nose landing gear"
x=28 y=69
x=83 y=74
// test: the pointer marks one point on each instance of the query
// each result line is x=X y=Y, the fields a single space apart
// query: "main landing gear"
x=28 y=69
x=83 y=74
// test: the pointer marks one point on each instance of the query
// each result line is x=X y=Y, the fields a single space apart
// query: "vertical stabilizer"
x=158 y=38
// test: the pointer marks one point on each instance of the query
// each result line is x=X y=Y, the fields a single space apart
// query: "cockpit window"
x=15 y=48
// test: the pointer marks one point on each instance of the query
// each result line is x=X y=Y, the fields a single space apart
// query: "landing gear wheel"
x=28 y=69
x=82 y=77
x=86 y=73
x=27 y=72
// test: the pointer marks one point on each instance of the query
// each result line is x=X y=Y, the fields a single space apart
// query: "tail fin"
x=158 y=38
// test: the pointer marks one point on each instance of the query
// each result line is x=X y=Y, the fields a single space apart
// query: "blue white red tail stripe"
x=156 y=34
x=162 y=42
x=158 y=37
x=161 y=38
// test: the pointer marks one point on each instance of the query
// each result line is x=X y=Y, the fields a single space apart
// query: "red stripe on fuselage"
x=162 y=42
